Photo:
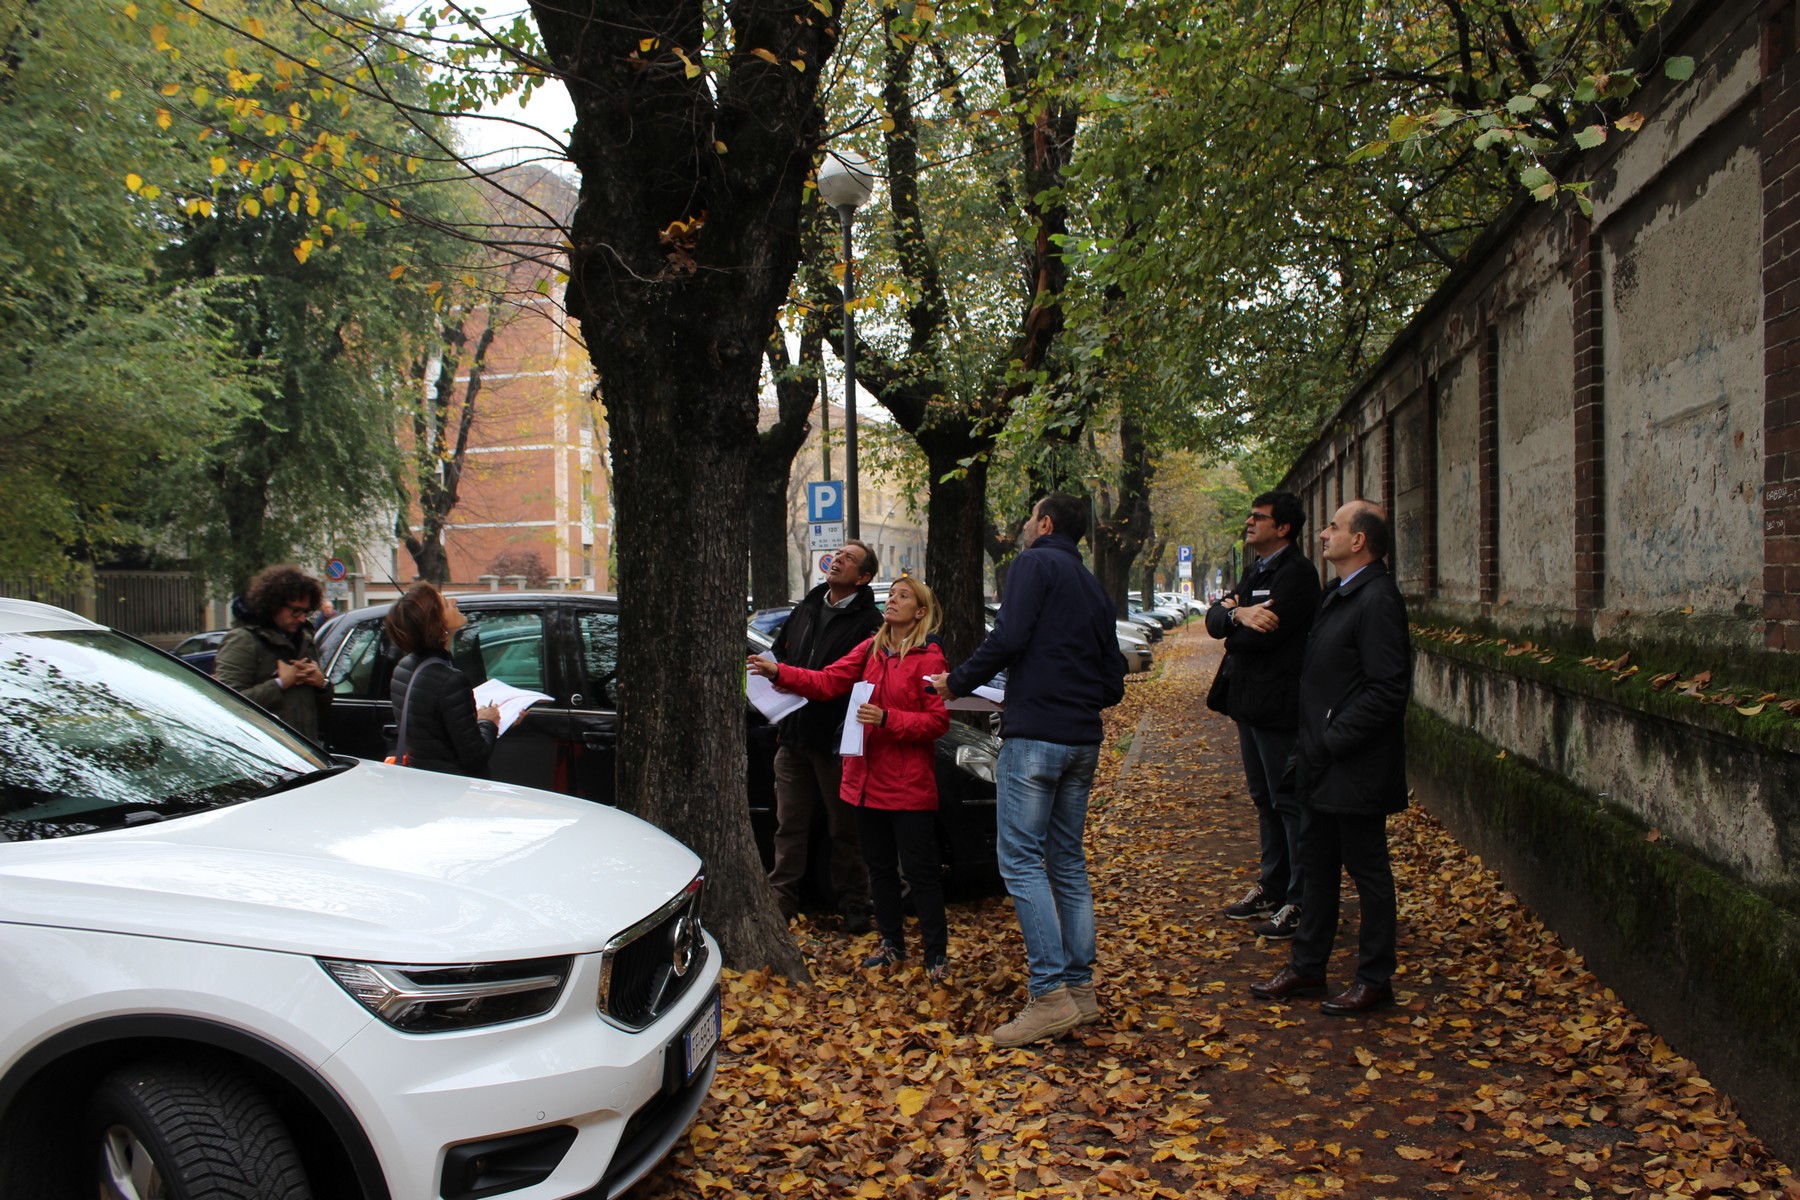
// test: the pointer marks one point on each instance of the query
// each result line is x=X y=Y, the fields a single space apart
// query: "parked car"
x=1138 y=656
x=565 y=644
x=231 y=953
x=202 y=649
x=767 y=620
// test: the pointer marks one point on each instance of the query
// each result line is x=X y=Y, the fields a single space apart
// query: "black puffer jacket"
x=442 y=733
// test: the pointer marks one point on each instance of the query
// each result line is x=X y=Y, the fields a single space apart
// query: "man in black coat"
x=1264 y=622
x=833 y=620
x=1351 y=762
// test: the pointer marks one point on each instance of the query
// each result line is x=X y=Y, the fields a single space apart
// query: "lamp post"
x=846 y=183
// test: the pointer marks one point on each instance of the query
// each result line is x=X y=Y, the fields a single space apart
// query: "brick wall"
x=1781 y=326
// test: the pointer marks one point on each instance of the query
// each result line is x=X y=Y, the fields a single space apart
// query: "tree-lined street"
x=1506 y=1069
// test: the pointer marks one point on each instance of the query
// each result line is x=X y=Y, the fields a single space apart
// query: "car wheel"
x=164 y=1129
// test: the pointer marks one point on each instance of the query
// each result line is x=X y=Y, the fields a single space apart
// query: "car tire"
x=165 y=1129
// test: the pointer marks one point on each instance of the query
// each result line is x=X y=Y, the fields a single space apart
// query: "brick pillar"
x=1487 y=457
x=1387 y=465
x=1590 y=426
x=1428 y=526
x=1781 y=327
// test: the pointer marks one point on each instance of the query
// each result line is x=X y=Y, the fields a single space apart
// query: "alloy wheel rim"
x=127 y=1168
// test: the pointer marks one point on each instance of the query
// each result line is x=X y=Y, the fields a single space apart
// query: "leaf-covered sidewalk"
x=1506 y=1069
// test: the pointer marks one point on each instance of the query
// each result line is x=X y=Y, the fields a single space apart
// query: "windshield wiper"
x=301 y=779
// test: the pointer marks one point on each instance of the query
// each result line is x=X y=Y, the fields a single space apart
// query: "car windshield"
x=97 y=732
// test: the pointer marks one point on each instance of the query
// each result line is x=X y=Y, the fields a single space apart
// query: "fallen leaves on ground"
x=1505 y=1070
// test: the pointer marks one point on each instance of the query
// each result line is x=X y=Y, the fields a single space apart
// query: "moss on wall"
x=1739 y=681
x=1670 y=916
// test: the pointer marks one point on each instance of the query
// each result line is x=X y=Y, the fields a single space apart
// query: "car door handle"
x=597 y=740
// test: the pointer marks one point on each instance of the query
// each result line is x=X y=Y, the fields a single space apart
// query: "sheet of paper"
x=988 y=697
x=770 y=701
x=511 y=701
x=853 y=728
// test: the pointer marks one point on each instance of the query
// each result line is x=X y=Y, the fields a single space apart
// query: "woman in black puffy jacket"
x=445 y=731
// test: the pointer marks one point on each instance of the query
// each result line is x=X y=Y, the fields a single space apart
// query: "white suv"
x=236 y=967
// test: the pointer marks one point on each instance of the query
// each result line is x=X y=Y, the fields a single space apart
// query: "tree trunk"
x=956 y=532
x=681 y=251
x=772 y=462
x=768 y=504
x=1122 y=533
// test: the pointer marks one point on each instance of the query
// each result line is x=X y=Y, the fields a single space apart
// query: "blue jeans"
x=1043 y=800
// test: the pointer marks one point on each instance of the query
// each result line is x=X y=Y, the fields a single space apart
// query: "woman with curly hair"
x=893 y=783
x=269 y=656
x=444 y=730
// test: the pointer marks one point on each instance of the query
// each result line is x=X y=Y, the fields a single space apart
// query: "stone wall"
x=1589 y=443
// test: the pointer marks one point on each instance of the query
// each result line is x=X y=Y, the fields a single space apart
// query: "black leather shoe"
x=855 y=919
x=1358 y=998
x=1287 y=982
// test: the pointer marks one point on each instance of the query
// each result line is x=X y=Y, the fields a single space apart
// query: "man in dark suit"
x=1351 y=762
x=1264 y=622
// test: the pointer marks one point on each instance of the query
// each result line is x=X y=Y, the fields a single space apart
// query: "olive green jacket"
x=246 y=664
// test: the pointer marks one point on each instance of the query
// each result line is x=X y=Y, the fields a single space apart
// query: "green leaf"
x=1535 y=177
x=1590 y=137
x=1680 y=67
x=1521 y=104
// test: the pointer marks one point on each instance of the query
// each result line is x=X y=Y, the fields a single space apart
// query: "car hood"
x=378 y=863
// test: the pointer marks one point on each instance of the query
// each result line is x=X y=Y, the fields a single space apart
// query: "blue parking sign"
x=825 y=501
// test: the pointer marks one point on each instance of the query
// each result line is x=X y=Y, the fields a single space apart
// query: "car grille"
x=650 y=966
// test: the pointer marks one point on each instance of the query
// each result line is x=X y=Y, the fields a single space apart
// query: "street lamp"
x=846 y=183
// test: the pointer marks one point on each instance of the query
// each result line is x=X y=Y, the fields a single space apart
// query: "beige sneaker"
x=1047 y=1016
x=1085 y=1004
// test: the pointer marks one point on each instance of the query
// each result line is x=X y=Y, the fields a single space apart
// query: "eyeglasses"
x=1256 y=516
x=298 y=610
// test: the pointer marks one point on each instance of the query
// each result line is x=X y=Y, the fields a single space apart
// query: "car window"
x=97 y=732
x=508 y=644
x=353 y=669
x=600 y=656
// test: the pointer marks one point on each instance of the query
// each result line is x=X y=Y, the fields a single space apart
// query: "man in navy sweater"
x=1056 y=639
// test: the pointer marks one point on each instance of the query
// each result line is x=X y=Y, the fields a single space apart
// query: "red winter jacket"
x=898 y=766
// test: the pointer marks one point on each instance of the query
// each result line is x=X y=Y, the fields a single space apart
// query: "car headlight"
x=976 y=761
x=437 y=999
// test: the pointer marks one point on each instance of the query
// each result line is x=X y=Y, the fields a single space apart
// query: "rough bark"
x=1121 y=530
x=772 y=462
x=682 y=247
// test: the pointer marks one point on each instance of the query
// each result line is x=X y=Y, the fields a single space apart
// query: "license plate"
x=701 y=1036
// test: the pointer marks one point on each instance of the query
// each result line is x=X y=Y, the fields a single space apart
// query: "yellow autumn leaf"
x=397 y=272
x=647 y=44
x=799 y=64
x=131 y=11
x=718 y=147
x=134 y=181
x=1412 y=1153
x=304 y=250
x=1750 y=710
x=254 y=28
x=162 y=118
x=766 y=55
x=217 y=163
x=170 y=89
x=911 y=1101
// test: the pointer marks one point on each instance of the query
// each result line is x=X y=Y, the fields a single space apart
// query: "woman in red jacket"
x=893 y=783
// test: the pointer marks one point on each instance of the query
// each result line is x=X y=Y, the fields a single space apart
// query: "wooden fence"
x=145 y=603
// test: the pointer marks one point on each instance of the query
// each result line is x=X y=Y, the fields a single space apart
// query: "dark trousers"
x=805 y=779
x=895 y=841
x=1281 y=819
x=1358 y=844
